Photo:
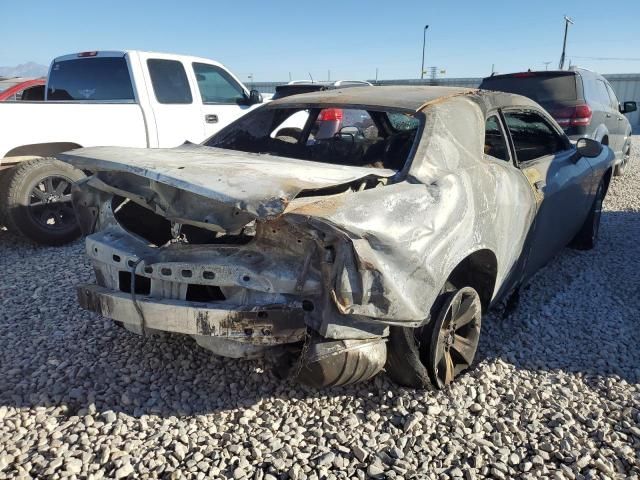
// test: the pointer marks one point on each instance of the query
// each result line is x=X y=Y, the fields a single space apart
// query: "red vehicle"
x=21 y=89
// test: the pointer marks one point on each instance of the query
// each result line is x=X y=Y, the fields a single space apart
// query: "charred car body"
x=345 y=253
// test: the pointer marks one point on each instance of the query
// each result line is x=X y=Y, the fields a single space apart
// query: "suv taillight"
x=330 y=114
x=582 y=116
x=578 y=116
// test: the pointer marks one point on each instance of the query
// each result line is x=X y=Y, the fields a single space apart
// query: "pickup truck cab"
x=117 y=98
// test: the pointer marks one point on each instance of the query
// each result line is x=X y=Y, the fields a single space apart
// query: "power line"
x=622 y=59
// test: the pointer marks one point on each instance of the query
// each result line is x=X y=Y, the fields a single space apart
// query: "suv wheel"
x=622 y=166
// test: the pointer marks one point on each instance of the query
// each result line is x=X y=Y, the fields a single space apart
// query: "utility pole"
x=424 y=42
x=567 y=21
x=289 y=76
x=376 y=74
x=546 y=65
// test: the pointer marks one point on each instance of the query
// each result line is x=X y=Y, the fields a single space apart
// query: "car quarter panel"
x=497 y=206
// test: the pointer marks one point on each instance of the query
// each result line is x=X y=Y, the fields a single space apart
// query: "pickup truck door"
x=562 y=185
x=223 y=98
x=175 y=106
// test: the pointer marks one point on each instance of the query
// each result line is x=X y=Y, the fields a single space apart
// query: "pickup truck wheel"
x=588 y=235
x=3 y=188
x=622 y=166
x=438 y=352
x=37 y=201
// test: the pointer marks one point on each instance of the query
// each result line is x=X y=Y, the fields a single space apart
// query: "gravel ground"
x=555 y=394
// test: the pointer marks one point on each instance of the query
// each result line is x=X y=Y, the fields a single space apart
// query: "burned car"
x=340 y=254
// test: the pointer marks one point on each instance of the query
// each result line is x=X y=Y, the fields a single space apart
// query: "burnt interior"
x=378 y=141
x=157 y=230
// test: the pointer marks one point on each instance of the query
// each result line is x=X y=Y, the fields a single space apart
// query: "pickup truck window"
x=90 y=79
x=216 y=85
x=169 y=81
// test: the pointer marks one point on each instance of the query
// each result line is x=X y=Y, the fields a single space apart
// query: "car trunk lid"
x=205 y=185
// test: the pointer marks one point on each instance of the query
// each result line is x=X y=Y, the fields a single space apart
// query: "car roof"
x=407 y=97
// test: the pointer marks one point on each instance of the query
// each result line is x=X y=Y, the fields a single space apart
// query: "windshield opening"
x=334 y=135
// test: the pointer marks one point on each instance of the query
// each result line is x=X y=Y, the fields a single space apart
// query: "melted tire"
x=404 y=364
x=16 y=187
x=332 y=363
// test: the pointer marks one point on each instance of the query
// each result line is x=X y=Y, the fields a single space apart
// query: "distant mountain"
x=29 y=69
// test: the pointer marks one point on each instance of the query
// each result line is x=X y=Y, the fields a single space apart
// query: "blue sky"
x=351 y=39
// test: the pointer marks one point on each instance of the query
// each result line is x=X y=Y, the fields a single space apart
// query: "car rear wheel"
x=36 y=198
x=441 y=350
x=622 y=166
x=588 y=235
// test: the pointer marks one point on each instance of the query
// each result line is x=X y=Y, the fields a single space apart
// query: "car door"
x=610 y=115
x=620 y=129
x=223 y=98
x=176 y=109
x=562 y=185
x=513 y=201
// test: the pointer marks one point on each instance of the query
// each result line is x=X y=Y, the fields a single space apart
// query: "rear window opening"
x=333 y=134
x=157 y=230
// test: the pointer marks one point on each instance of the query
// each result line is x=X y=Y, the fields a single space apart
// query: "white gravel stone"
x=555 y=392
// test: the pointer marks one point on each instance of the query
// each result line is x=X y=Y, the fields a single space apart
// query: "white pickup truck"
x=125 y=98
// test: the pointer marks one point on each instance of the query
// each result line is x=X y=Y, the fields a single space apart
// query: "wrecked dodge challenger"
x=343 y=232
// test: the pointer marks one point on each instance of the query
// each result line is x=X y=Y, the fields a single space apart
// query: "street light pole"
x=567 y=21
x=424 y=41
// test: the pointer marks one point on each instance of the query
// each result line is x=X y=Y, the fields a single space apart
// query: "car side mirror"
x=629 y=107
x=586 y=147
x=255 y=97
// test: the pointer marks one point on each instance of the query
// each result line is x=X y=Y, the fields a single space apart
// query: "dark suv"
x=582 y=102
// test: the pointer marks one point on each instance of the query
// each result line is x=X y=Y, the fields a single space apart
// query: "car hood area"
x=210 y=180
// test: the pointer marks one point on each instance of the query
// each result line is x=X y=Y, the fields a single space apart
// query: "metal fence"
x=626 y=86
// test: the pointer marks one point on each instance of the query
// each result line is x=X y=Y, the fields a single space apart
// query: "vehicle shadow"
x=54 y=354
x=578 y=315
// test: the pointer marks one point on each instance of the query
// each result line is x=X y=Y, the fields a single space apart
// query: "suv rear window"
x=91 y=79
x=543 y=88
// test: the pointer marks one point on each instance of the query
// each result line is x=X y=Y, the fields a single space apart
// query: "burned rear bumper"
x=266 y=325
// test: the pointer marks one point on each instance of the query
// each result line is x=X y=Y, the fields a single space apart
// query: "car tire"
x=415 y=355
x=620 y=168
x=3 y=188
x=36 y=196
x=587 y=237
